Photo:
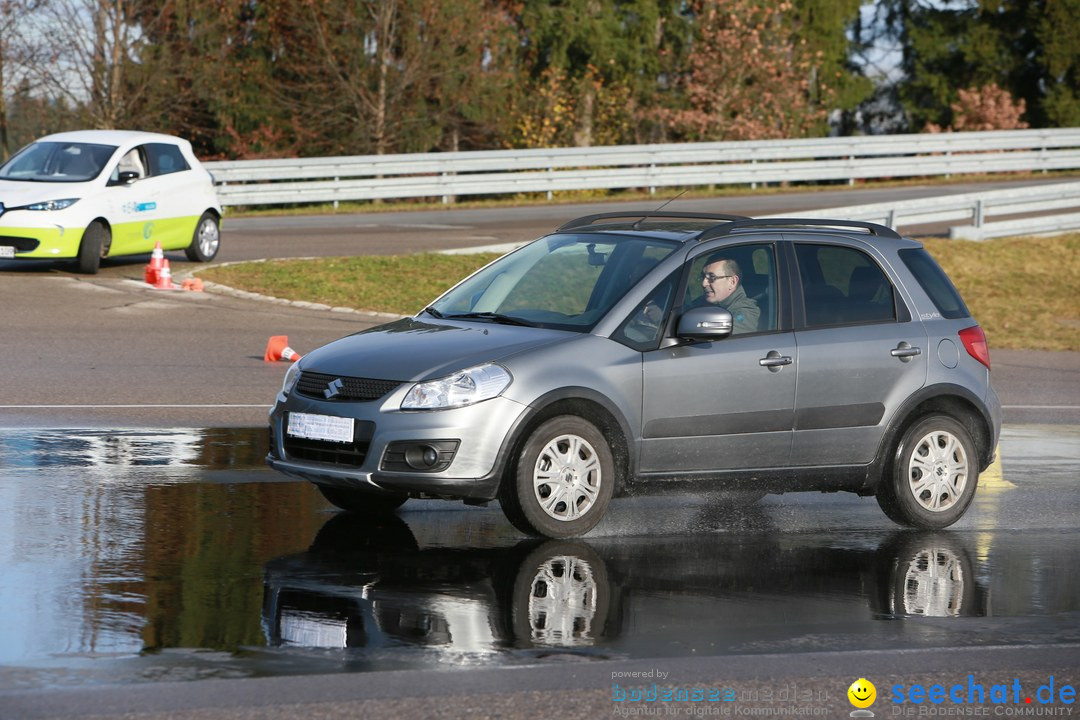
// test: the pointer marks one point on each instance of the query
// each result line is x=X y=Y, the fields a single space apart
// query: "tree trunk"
x=387 y=11
x=583 y=134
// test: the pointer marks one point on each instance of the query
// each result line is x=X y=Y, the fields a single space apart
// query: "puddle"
x=142 y=556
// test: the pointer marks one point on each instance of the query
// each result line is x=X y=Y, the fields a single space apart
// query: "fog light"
x=427 y=456
x=421 y=457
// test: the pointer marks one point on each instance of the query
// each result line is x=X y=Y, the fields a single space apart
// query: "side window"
x=134 y=160
x=642 y=330
x=843 y=286
x=741 y=279
x=935 y=282
x=165 y=159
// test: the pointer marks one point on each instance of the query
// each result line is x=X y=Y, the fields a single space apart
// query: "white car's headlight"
x=291 y=376
x=466 y=387
x=53 y=204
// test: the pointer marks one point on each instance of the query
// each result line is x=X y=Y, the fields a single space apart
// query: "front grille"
x=353 y=389
x=21 y=244
x=351 y=454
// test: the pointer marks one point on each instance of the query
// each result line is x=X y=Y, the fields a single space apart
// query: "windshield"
x=565 y=282
x=57 y=162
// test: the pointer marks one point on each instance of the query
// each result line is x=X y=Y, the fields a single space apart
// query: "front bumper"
x=474 y=474
x=42 y=242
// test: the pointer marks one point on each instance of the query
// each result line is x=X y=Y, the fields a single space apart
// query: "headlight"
x=291 y=376
x=467 y=387
x=53 y=204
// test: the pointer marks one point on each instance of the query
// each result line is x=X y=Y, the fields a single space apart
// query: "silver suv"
x=635 y=351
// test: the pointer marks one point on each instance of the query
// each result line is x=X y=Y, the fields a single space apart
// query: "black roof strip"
x=795 y=223
x=587 y=220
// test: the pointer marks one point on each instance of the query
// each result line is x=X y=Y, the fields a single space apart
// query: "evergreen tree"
x=592 y=71
x=1026 y=47
x=836 y=83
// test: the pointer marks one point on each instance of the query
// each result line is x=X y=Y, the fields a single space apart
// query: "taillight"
x=975 y=343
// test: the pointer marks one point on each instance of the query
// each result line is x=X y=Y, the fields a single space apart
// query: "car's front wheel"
x=934 y=474
x=362 y=502
x=94 y=246
x=206 y=241
x=563 y=480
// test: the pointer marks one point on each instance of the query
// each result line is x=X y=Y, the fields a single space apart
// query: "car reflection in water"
x=369 y=584
x=366 y=583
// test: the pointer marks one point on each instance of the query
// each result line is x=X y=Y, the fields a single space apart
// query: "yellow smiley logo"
x=862 y=693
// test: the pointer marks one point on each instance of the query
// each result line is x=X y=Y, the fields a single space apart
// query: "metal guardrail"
x=500 y=172
x=989 y=214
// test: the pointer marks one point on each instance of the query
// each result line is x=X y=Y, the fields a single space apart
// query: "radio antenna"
x=645 y=217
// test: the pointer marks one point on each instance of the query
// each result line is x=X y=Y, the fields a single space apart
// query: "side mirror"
x=127 y=177
x=705 y=323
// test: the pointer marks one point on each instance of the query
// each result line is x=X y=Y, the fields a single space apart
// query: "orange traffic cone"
x=164 y=278
x=278 y=349
x=153 y=269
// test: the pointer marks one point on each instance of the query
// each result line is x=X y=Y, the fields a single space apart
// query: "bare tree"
x=384 y=76
x=96 y=47
x=18 y=53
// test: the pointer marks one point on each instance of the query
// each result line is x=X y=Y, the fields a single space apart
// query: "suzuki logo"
x=334 y=388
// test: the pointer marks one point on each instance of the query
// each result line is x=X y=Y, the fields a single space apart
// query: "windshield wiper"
x=494 y=317
x=434 y=313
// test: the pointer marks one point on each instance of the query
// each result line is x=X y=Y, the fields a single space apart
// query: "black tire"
x=362 y=502
x=562 y=597
x=206 y=240
x=531 y=499
x=94 y=246
x=933 y=475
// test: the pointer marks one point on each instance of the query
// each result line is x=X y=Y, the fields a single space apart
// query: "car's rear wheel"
x=933 y=476
x=362 y=502
x=206 y=241
x=563 y=480
x=94 y=246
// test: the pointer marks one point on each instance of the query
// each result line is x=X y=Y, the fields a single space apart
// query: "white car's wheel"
x=94 y=246
x=206 y=241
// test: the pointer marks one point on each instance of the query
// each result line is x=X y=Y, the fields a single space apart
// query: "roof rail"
x=732 y=227
x=587 y=220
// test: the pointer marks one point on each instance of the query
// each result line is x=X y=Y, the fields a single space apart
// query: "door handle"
x=905 y=352
x=774 y=360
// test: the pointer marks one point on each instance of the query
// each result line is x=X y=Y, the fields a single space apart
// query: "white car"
x=92 y=194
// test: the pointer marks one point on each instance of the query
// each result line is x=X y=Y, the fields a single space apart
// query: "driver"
x=720 y=280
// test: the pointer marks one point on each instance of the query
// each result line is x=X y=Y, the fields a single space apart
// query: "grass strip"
x=1024 y=291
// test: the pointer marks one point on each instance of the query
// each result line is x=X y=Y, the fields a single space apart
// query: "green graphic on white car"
x=92 y=194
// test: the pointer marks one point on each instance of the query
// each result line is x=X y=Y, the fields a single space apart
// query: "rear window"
x=935 y=282
x=165 y=159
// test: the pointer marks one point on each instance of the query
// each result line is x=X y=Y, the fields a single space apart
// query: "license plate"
x=7 y=251
x=320 y=427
